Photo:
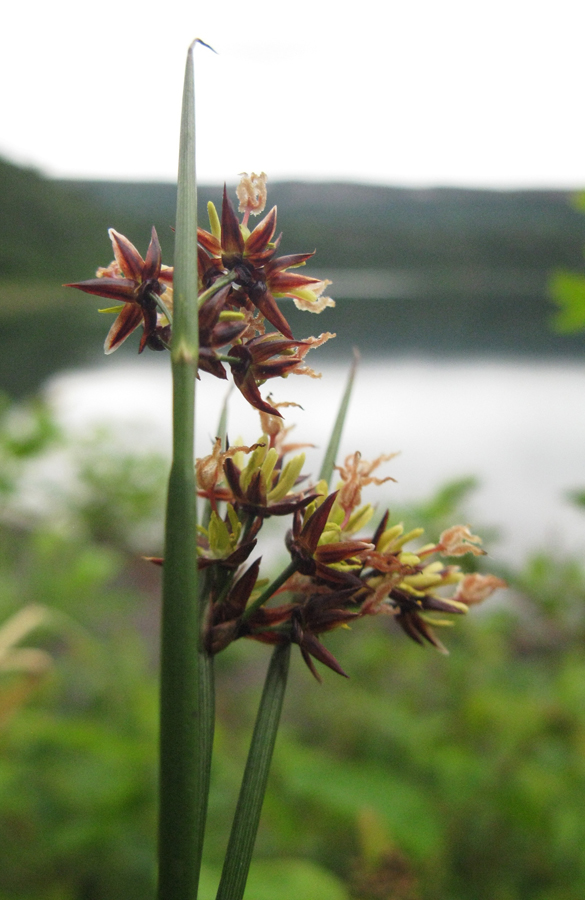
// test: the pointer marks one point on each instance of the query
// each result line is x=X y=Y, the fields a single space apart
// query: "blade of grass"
x=186 y=701
x=223 y=418
x=221 y=432
x=333 y=447
x=247 y=816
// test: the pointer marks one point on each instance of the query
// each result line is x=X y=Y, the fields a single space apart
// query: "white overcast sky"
x=416 y=92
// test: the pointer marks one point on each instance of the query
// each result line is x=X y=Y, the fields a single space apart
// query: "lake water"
x=518 y=426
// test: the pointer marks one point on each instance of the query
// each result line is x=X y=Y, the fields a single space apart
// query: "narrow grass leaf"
x=186 y=717
x=335 y=439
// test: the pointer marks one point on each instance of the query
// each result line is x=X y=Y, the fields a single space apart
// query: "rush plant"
x=217 y=311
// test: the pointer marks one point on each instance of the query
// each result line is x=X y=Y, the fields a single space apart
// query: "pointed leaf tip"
x=328 y=465
x=203 y=44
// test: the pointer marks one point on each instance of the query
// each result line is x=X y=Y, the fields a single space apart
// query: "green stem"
x=215 y=287
x=162 y=306
x=270 y=590
x=186 y=700
x=247 y=816
x=249 y=522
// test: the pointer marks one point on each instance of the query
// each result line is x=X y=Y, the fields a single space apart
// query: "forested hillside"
x=443 y=271
x=49 y=226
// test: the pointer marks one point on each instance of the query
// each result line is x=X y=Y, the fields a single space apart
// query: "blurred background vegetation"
x=422 y=777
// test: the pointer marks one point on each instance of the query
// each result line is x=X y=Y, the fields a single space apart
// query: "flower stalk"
x=247 y=816
x=216 y=286
x=270 y=590
x=162 y=307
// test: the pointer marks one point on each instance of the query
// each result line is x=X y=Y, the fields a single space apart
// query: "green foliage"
x=25 y=433
x=440 y=510
x=111 y=494
x=578 y=497
x=118 y=495
x=578 y=201
x=287 y=879
x=567 y=290
x=77 y=766
x=420 y=777
x=46 y=228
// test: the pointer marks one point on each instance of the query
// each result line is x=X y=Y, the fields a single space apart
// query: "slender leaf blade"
x=334 y=441
x=187 y=709
x=221 y=433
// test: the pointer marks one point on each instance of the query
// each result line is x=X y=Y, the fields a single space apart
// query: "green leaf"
x=186 y=700
x=343 y=788
x=335 y=439
x=282 y=879
x=446 y=502
x=185 y=278
x=567 y=290
x=577 y=497
x=221 y=432
x=223 y=418
x=292 y=879
x=578 y=201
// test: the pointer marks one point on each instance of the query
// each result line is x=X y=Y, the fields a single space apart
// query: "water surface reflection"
x=518 y=427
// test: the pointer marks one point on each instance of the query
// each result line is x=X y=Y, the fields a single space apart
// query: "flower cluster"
x=335 y=574
x=240 y=281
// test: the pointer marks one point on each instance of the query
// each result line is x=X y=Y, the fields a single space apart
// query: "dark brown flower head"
x=217 y=328
x=317 y=557
x=232 y=561
x=411 y=585
x=264 y=497
x=132 y=281
x=311 y=647
x=226 y=623
x=418 y=630
x=261 y=278
x=302 y=621
x=270 y=356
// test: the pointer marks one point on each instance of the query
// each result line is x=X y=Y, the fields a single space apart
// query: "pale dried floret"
x=251 y=193
x=274 y=428
x=476 y=588
x=310 y=298
x=378 y=601
x=209 y=469
x=458 y=540
x=273 y=425
x=255 y=325
x=111 y=271
x=309 y=343
x=356 y=473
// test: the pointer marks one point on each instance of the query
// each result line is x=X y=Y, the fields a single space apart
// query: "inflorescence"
x=335 y=574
